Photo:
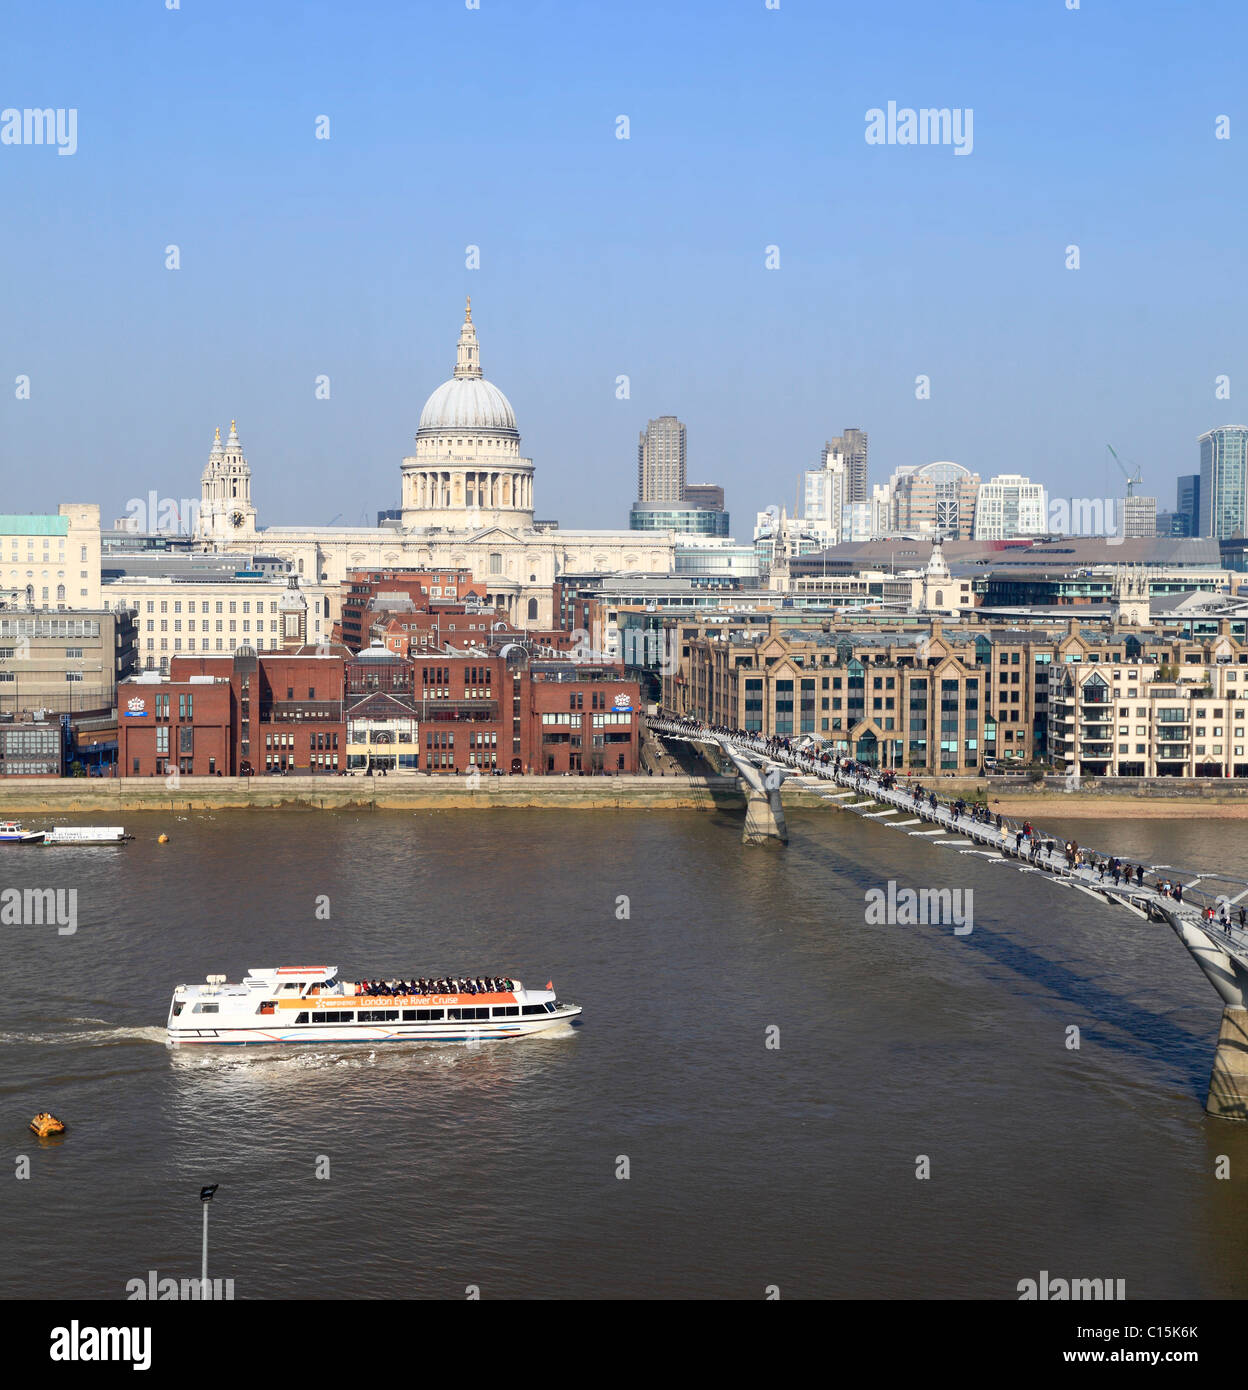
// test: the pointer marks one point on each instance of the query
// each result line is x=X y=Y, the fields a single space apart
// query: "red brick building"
x=247 y=713
x=327 y=711
x=362 y=593
x=421 y=633
x=184 y=724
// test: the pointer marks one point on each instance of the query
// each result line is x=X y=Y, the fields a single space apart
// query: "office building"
x=1223 y=480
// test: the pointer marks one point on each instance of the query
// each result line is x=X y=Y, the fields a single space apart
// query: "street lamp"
x=205 y=1196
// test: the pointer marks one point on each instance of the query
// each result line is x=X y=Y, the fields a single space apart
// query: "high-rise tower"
x=661 y=462
x=1224 y=482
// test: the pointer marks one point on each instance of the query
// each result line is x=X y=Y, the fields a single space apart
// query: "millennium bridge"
x=1200 y=915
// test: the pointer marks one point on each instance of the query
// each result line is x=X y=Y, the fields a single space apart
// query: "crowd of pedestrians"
x=1022 y=841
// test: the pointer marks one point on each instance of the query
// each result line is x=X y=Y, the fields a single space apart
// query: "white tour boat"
x=310 y=1004
x=86 y=835
x=12 y=833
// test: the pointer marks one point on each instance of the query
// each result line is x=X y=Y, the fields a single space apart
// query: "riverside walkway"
x=1182 y=898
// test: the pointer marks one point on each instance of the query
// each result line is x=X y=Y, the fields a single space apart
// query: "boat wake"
x=92 y=1035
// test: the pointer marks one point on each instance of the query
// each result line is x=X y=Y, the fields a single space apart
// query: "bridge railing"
x=1006 y=833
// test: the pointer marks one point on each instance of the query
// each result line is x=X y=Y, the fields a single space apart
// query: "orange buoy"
x=44 y=1124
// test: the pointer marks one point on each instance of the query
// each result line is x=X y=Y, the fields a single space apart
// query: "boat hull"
x=334 y=1034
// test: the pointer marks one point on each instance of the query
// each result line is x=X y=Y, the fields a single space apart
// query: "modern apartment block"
x=661 y=458
x=1187 y=717
x=851 y=447
x=1010 y=505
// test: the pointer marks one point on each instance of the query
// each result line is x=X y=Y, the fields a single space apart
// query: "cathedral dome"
x=467 y=403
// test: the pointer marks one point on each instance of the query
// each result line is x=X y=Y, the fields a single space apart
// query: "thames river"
x=758 y=1078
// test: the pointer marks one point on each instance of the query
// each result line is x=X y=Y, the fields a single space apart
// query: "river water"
x=423 y=1170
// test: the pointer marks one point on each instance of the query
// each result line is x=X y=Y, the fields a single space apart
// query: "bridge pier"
x=1228 y=1082
x=764 y=816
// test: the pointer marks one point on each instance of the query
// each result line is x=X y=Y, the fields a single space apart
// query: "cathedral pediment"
x=496 y=533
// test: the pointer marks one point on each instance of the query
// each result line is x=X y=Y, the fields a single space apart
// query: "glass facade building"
x=1223 y=480
x=690 y=521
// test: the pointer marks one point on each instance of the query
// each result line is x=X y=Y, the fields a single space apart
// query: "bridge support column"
x=1228 y=1083
x=764 y=817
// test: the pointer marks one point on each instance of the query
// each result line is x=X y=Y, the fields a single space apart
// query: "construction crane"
x=1131 y=482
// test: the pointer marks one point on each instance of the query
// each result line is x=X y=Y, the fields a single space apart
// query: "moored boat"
x=14 y=833
x=86 y=835
x=310 y=1004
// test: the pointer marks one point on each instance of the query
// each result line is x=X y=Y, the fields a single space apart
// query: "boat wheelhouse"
x=13 y=833
x=310 y=1004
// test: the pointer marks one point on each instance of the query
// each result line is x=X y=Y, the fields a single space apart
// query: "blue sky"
x=600 y=257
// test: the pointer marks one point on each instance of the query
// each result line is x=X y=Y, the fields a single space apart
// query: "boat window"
x=331 y=1016
x=550 y=1008
x=302 y=1016
x=206 y=1009
x=533 y=1009
x=512 y=1010
x=453 y=1013
x=409 y=1015
x=378 y=1015
x=177 y=1009
x=430 y=1014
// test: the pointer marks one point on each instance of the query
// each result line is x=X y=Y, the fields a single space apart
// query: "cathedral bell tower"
x=225 y=509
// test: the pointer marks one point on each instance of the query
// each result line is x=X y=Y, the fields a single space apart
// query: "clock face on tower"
x=236 y=519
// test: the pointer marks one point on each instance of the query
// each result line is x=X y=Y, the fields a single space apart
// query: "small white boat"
x=13 y=833
x=300 y=1004
x=86 y=835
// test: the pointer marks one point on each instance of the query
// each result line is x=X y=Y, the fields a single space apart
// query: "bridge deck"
x=1031 y=853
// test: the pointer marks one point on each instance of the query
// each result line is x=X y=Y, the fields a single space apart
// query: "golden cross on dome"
x=218 y=434
x=232 y=429
x=468 y=310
